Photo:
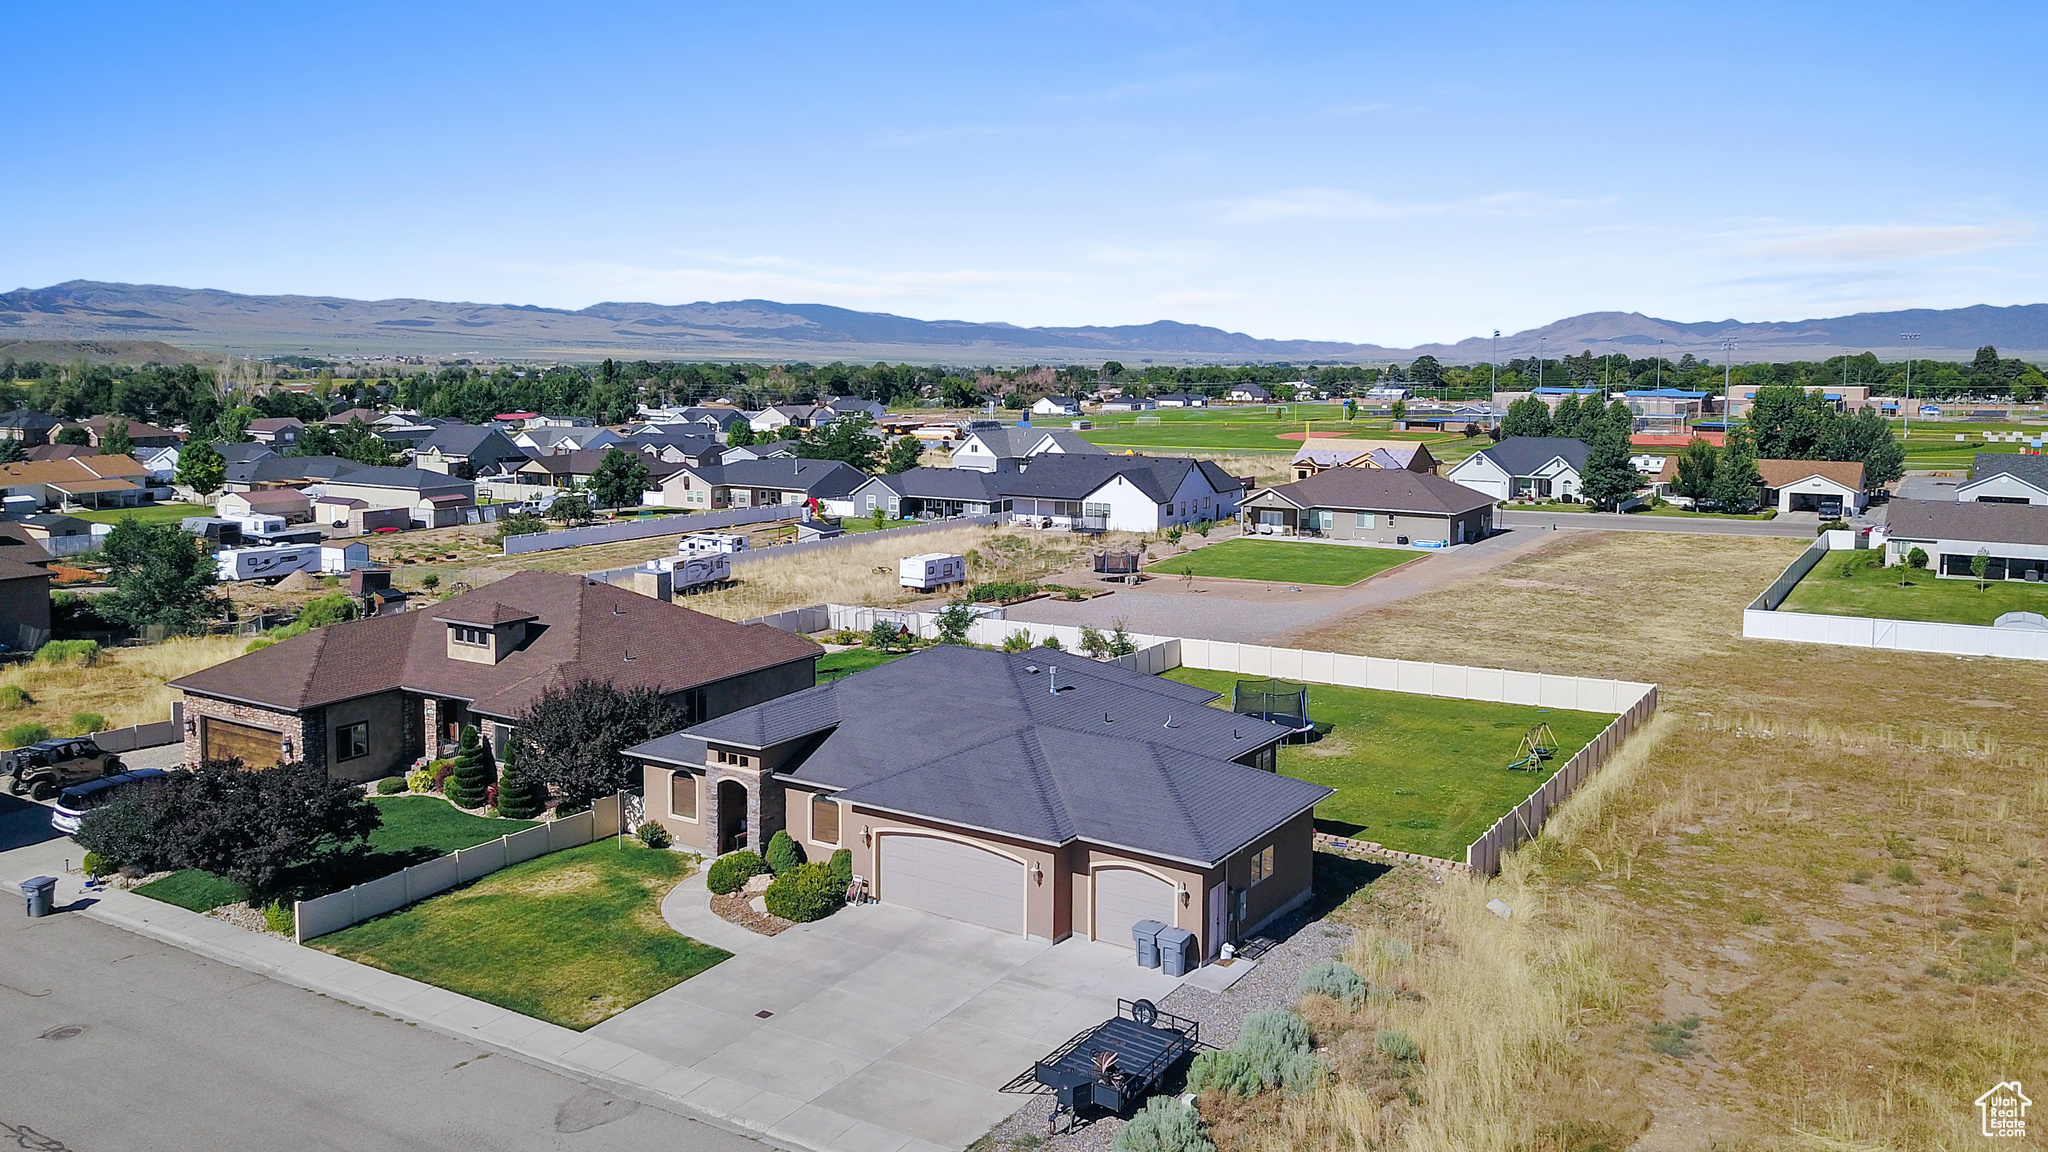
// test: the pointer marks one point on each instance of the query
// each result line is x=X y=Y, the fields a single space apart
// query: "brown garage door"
x=223 y=739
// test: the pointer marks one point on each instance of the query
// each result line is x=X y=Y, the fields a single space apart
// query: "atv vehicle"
x=46 y=767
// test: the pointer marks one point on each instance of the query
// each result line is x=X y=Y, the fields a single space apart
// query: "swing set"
x=1538 y=746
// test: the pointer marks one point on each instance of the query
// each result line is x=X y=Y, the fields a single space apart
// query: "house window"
x=474 y=637
x=682 y=796
x=1361 y=520
x=871 y=502
x=824 y=820
x=1262 y=865
x=733 y=758
x=1095 y=511
x=352 y=741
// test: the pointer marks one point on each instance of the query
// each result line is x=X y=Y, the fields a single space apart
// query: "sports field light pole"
x=1495 y=362
x=1906 y=409
x=1727 y=387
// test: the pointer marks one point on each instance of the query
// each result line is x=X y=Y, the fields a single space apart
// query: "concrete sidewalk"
x=592 y=1059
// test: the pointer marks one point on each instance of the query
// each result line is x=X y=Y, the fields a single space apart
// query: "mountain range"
x=95 y=318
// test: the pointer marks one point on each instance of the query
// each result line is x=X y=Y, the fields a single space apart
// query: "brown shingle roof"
x=583 y=631
x=1778 y=473
x=75 y=468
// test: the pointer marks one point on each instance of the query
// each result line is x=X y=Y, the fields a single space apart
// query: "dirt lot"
x=1831 y=858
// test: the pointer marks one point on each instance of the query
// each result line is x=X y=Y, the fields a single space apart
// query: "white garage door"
x=1124 y=896
x=953 y=879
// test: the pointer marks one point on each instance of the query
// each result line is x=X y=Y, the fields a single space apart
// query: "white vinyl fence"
x=338 y=910
x=1763 y=621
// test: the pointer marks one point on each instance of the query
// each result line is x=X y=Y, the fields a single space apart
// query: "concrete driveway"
x=907 y=1021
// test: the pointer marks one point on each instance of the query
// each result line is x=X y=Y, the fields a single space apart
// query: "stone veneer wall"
x=307 y=733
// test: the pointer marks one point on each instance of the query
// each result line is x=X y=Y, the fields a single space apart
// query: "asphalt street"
x=115 y=1042
x=1626 y=522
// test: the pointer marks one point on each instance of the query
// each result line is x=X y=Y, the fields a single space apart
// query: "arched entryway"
x=732 y=816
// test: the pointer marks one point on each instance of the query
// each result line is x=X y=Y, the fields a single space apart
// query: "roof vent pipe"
x=1106 y=719
x=1053 y=679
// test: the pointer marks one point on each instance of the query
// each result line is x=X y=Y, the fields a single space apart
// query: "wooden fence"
x=338 y=910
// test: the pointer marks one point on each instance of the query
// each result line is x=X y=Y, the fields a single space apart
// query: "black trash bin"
x=40 y=894
x=1177 y=952
x=1146 y=934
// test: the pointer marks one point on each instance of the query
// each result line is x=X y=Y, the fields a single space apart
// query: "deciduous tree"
x=571 y=737
x=619 y=479
x=160 y=576
x=201 y=467
x=1529 y=416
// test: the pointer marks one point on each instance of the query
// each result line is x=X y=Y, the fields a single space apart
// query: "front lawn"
x=1687 y=513
x=1284 y=561
x=573 y=938
x=416 y=829
x=147 y=513
x=1418 y=773
x=867 y=523
x=1853 y=583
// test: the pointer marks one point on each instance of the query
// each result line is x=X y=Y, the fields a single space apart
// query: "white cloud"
x=1866 y=243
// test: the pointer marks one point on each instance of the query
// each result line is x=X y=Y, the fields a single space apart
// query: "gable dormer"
x=486 y=633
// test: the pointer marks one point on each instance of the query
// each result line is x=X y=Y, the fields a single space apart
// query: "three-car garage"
x=952 y=878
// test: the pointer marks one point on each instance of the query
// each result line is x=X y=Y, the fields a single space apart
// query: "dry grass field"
x=1804 y=908
x=126 y=685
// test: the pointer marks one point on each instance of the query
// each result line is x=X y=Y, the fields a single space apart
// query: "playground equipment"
x=1538 y=745
x=1281 y=702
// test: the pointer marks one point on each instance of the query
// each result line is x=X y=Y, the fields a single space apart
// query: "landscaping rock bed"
x=738 y=908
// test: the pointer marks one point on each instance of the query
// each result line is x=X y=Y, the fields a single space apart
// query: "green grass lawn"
x=1286 y=561
x=147 y=513
x=416 y=829
x=1416 y=773
x=1684 y=513
x=833 y=665
x=572 y=938
x=867 y=523
x=1852 y=584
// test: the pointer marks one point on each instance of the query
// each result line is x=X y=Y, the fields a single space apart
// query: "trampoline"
x=1118 y=563
x=1281 y=702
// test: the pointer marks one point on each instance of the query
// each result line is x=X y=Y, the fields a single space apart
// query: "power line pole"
x=1495 y=362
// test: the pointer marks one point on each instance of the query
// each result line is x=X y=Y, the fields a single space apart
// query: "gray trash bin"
x=1177 y=952
x=40 y=893
x=1146 y=934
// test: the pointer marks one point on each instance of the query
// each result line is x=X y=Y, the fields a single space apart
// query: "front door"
x=1219 y=913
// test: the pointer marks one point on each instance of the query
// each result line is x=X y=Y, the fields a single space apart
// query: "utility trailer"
x=267 y=563
x=1117 y=1063
x=930 y=570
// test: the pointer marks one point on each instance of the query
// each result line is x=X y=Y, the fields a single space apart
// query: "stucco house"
x=467 y=451
x=2013 y=537
x=1072 y=799
x=2006 y=478
x=367 y=698
x=1524 y=468
x=1381 y=505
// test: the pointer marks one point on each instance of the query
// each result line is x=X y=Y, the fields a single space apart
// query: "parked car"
x=74 y=802
x=46 y=767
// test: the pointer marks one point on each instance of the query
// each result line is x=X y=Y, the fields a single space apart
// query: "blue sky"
x=1372 y=172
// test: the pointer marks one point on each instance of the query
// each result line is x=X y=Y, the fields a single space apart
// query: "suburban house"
x=1130 y=404
x=1380 y=505
x=1320 y=455
x=1071 y=798
x=467 y=451
x=927 y=494
x=1088 y=492
x=78 y=482
x=755 y=483
x=160 y=463
x=766 y=450
x=1248 y=393
x=343 y=418
x=680 y=447
x=295 y=506
x=46 y=527
x=56 y=451
x=367 y=698
x=1000 y=449
x=718 y=420
x=432 y=499
x=2013 y=536
x=574 y=469
x=1181 y=400
x=2006 y=478
x=140 y=435
x=1835 y=486
x=1056 y=406
x=276 y=431
x=24 y=602
x=1524 y=468
x=28 y=427
x=549 y=440
x=854 y=406
x=777 y=417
